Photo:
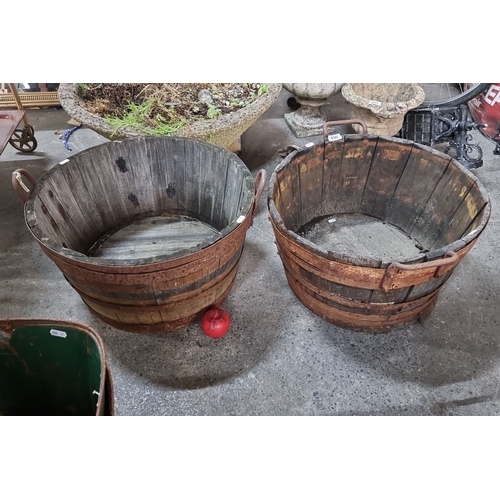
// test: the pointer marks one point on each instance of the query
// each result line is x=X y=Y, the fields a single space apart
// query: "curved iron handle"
x=442 y=266
x=19 y=186
x=284 y=152
x=343 y=122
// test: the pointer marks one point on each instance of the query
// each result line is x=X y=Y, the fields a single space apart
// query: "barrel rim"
x=366 y=261
x=245 y=210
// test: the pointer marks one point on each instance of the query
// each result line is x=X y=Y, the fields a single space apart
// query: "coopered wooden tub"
x=369 y=228
x=149 y=231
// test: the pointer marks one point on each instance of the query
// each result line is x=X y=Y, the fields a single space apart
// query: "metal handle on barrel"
x=343 y=122
x=19 y=186
x=442 y=267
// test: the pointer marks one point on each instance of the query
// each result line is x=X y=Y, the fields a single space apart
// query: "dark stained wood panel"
x=356 y=161
x=311 y=178
x=389 y=161
x=442 y=206
x=291 y=199
x=416 y=185
x=332 y=166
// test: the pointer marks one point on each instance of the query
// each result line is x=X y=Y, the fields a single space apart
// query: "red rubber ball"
x=215 y=322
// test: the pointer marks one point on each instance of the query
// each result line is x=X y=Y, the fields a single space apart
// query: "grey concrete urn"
x=382 y=106
x=309 y=119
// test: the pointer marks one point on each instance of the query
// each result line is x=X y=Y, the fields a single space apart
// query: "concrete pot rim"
x=313 y=91
x=384 y=109
x=72 y=104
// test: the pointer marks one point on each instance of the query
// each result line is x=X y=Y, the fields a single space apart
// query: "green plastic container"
x=53 y=368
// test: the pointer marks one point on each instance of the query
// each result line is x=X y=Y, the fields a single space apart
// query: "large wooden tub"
x=149 y=231
x=370 y=228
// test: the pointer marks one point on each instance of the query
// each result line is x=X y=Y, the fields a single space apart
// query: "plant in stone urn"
x=309 y=118
x=214 y=112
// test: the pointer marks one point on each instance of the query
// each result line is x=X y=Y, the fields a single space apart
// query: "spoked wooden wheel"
x=23 y=139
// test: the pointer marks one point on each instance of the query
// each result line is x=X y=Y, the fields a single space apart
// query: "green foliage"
x=263 y=89
x=213 y=111
x=143 y=118
x=81 y=86
x=165 y=108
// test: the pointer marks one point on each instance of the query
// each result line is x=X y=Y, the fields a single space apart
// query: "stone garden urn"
x=224 y=130
x=309 y=118
x=382 y=106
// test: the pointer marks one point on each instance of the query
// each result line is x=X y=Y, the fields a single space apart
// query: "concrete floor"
x=278 y=357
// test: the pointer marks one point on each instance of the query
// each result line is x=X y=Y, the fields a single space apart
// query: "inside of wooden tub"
x=377 y=198
x=360 y=235
x=152 y=236
x=142 y=198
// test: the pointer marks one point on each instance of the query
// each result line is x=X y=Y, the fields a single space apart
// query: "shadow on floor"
x=187 y=358
x=455 y=344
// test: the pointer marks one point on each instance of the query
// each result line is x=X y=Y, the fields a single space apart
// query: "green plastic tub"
x=53 y=368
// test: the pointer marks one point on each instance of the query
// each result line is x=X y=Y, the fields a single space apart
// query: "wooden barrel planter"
x=369 y=228
x=50 y=367
x=149 y=230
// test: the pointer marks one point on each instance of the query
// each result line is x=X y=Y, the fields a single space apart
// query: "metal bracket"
x=496 y=139
x=430 y=126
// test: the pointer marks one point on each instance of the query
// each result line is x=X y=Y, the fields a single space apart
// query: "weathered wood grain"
x=153 y=236
x=289 y=185
x=377 y=322
x=466 y=217
x=356 y=162
x=310 y=181
x=332 y=166
x=442 y=205
x=149 y=231
x=389 y=161
x=383 y=201
x=416 y=185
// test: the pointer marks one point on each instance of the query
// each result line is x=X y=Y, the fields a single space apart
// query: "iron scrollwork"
x=431 y=126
